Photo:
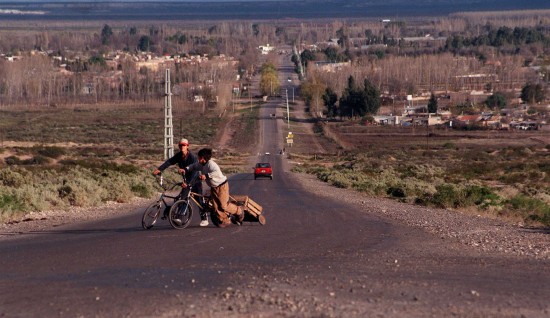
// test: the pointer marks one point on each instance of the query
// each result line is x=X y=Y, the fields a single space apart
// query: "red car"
x=263 y=169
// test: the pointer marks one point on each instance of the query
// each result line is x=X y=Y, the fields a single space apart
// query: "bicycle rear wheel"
x=180 y=214
x=151 y=215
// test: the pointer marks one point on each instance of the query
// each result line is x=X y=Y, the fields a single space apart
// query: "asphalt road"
x=314 y=258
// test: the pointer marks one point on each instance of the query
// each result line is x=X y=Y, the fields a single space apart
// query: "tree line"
x=499 y=37
x=397 y=69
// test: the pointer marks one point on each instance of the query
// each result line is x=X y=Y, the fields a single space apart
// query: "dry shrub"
x=45 y=189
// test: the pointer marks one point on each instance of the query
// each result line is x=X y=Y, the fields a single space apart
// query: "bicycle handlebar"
x=194 y=179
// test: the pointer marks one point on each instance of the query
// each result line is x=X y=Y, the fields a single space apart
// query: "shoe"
x=224 y=224
x=237 y=218
x=204 y=223
x=177 y=222
x=240 y=215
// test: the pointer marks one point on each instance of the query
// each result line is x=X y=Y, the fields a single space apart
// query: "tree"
x=106 y=34
x=353 y=102
x=330 y=98
x=307 y=56
x=497 y=100
x=532 y=93
x=432 y=104
x=269 y=82
x=312 y=92
x=332 y=54
x=371 y=95
x=347 y=100
x=144 y=43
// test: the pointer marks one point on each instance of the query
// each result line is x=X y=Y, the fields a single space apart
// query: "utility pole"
x=168 y=126
x=287 y=110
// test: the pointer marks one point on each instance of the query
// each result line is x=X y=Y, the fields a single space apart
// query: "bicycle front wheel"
x=180 y=214
x=151 y=215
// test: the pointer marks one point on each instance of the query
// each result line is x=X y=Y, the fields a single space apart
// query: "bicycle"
x=181 y=211
x=152 y=213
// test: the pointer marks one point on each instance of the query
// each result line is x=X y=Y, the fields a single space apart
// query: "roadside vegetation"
x=488 y=174
x=70 y=157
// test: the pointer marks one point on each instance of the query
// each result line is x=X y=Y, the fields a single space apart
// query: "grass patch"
x=457 y=172
x=86 y=157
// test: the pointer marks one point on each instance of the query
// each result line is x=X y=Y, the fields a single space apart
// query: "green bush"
x=531 y=209
x=447 y=196
x=141 y=190
x=449 y=145
x=25 y=190
x=396 y=192
x=339 y=180
x=12 y=160
x=455 y=196
x=480 y=196
x=11 y=178
x=513 y=178
x=9 y=205
x=51 y=152
x=37 y=160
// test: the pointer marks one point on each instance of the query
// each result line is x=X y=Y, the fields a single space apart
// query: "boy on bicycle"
x=219 y=193
x=183 y=159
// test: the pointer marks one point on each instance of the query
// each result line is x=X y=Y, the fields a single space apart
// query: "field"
x=498 y=173
x=58 y=158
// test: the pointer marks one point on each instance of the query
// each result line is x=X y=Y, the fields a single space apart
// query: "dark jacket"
x=180 y=161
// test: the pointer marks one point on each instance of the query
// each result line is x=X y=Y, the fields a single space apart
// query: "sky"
x=30 y=1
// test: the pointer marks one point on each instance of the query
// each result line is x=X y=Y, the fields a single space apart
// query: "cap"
x=184 y=141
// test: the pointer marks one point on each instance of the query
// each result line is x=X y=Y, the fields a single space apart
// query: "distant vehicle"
x=263 y=169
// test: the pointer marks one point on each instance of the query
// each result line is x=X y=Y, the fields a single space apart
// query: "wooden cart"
x=252 y=210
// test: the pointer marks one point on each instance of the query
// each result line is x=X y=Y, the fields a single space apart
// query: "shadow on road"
x=159 y=229
x=544 y=230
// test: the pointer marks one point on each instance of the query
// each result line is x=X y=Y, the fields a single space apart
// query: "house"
x=465 y=120
x=333 y=42
x=331 y=67
x=426 y=120
x=387 y=120
x=411 y=110
x=87 y=89
x=236 y=89
x=525 y=125
x=266 y=49
x=373 y=47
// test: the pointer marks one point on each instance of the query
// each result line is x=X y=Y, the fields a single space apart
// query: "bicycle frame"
x=181 y=211
x=163 y=195
x=202 y=201
x=164 y=203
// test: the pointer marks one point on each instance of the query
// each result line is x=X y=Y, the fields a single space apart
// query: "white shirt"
x=213 y=173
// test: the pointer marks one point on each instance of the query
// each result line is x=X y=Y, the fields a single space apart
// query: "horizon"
x=250 y=9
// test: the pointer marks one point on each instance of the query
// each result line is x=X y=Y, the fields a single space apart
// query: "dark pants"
x=197 y=188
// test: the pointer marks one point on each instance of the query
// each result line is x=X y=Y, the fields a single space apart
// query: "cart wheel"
x=261 y=219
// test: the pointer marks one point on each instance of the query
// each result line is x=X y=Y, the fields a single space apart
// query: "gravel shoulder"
x=475 y=231
x=46 y=220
